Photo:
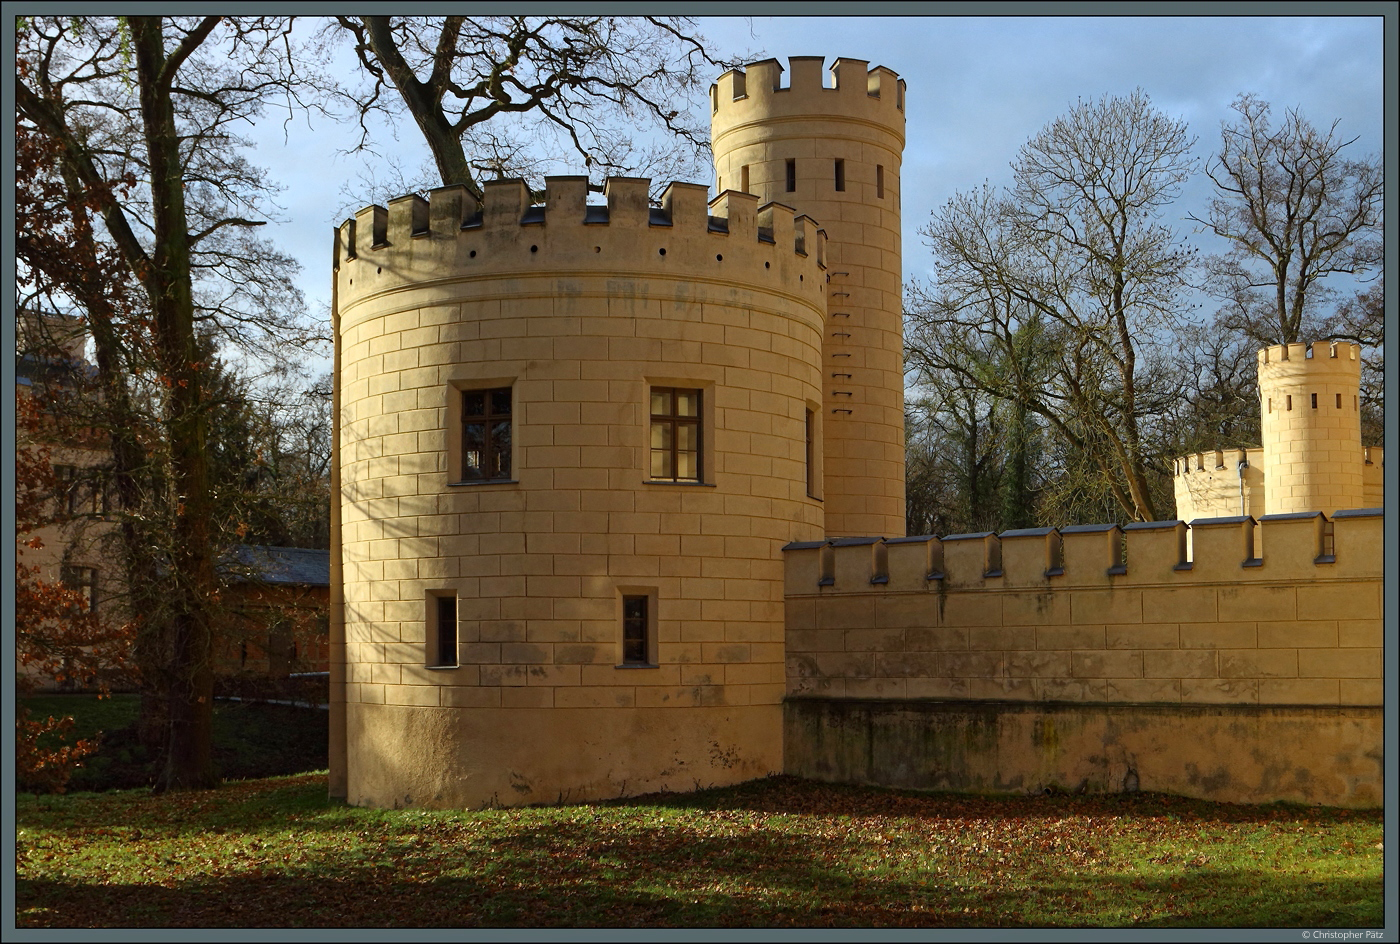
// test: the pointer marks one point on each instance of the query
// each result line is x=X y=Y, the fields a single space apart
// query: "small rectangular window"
x=442 y=635
x=840 y=174
x=880 y=181
x=1289 y=403
x=744 y=178
x=486 y=433
x=635 y=631
x=82 y=579
x=1339 y=401
x=675 y=434
x=791 y=175
x=1314 y=401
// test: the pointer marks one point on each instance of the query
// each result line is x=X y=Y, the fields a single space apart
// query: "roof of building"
x=302 y=566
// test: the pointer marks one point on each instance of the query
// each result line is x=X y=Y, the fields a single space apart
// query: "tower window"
x=675 y=435
x=840 y=174
x=791 y=175
x=1314 y=401
x=880 y=181
x=442 y=634
x=1289 y=403
x=811 y=455
x=1339 y=401
x=744 y=178
x=636 y=635
x=486 y=419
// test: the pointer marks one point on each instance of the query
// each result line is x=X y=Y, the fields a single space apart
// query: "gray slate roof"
x=301 y=566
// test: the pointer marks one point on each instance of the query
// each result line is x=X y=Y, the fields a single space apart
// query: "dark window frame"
x=495 y=458
x=443 y=619
x=675 y=421
x=77 y=577
x=636 y=629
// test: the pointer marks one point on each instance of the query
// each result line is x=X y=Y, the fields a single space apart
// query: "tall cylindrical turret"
x=1311 y=426
x=835 y=153
x=573 y=440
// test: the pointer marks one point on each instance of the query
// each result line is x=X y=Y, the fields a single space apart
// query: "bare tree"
x=1072 y=284
x=492 y=94
x=1294 y=211
x=151 y=102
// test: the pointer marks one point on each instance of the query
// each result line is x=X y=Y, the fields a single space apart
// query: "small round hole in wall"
x=799 y=278
x=719 y=257
x=352 y=281
x=534 y=248
x=662 y=251
x=472 y=254
x=597 y=248
x=378 y=270
x=767 y=265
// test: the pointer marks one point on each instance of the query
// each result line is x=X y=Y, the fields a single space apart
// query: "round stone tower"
x=573 y=440
x=835 y=153
x=1311 y=426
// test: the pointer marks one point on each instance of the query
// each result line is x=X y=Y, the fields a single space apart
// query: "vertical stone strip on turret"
x=834 y=154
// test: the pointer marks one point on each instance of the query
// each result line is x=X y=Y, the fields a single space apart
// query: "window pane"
x=661 y=464
x=474 y=403
x=500 y=402
x=660 y=402
x=685 y=462
x=500 y=447
x=473 y=448
x=687 y=436
x=687 y=402
x=661 y=435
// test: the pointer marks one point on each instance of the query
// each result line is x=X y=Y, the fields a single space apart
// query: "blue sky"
x=978 y=87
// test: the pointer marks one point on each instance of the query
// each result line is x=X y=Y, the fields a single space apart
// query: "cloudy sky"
x=978 y=88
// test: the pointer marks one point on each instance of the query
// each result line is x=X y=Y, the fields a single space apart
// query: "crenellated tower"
x=573 y=439
x=834 y=153
x=1311 y=426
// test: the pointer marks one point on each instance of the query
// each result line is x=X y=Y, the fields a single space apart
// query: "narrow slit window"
x=811 y=455
x=791 y=175
x=443 y=638
x=880 y=181
x=1339 y=401
x=1289 y=403
x=635 y=630
x=744 y=178
x=486 y=435
x=1314 y=401
x=675 y=435
x=840 y=174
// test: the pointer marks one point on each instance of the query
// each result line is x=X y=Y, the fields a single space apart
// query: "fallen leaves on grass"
x=775 y=852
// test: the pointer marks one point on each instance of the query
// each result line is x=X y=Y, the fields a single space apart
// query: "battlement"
x=854 y=91
x=1221 y=550
x=1227 y=459
x=1318 y=351
x=416 y=241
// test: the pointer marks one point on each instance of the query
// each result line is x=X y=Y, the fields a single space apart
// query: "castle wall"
x=759 y=128
x=579 y=311
x=1068 y=658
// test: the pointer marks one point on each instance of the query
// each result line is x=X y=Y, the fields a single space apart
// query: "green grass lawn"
x=774 y=852
x=250 y=739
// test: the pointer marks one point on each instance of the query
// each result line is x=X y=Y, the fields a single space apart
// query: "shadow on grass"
x=793 y=893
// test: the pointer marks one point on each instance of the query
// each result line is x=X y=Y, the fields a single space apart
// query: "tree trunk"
x=189 y=751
